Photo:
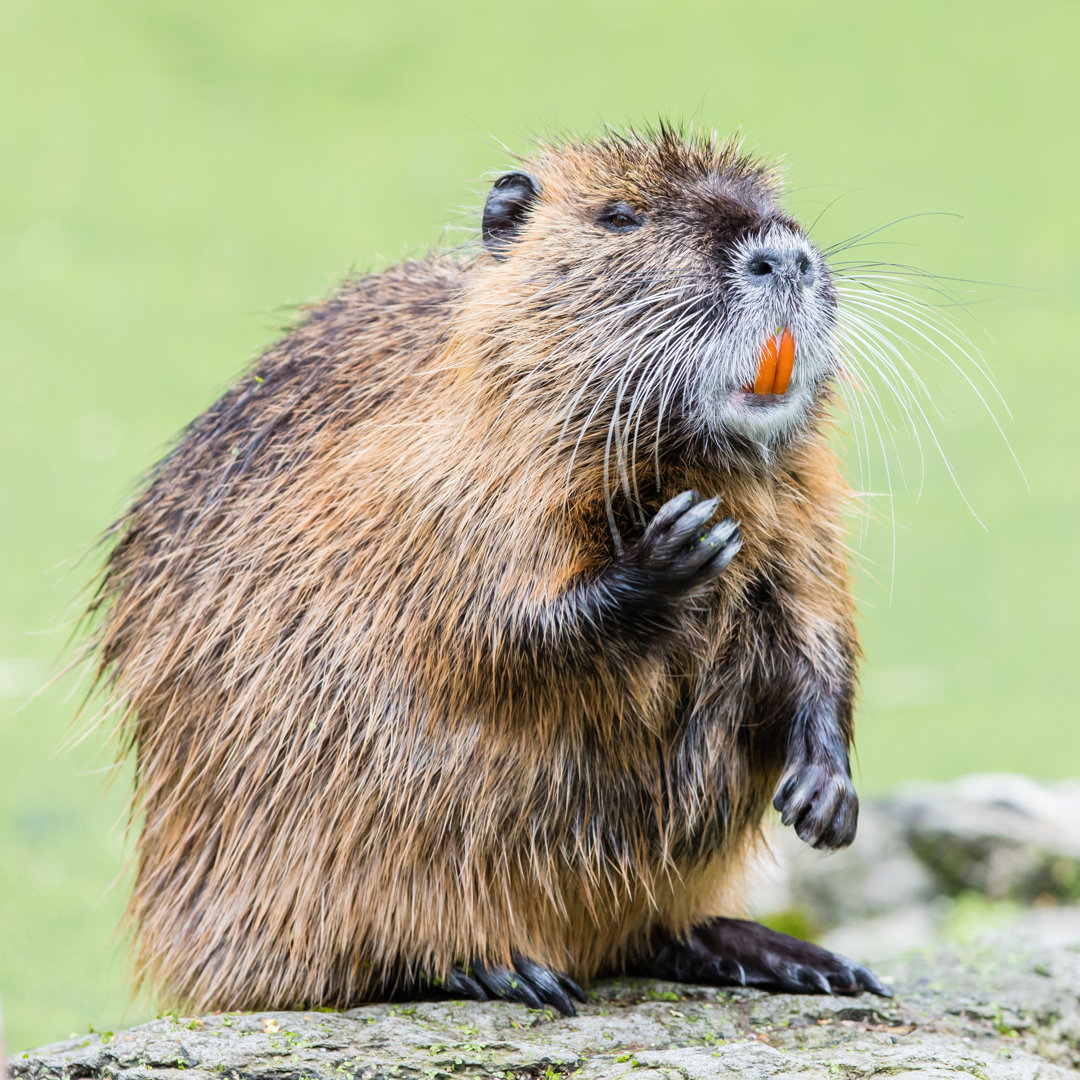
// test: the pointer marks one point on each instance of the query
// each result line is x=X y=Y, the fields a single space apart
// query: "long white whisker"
x=917 y=405
x=680 y=331
x=925 y=330
x=888 y=483
x=896 y=306
x=863 y=342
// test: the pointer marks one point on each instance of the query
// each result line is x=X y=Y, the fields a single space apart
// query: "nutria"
x=439 y=669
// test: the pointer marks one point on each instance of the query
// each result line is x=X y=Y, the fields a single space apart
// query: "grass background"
x=173 y=173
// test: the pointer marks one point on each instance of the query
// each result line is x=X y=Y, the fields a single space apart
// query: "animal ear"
x=507 y=204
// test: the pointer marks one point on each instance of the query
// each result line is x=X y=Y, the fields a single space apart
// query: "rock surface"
x=985 y=1012
x=961 y=895
x=931 y=862
x=1008 y=837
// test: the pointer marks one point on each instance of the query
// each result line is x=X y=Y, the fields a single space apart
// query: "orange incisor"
x=775 y=361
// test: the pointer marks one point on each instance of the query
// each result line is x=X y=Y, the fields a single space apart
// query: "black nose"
x=773 y=266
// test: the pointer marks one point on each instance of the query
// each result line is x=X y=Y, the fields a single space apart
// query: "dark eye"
x=620 y=218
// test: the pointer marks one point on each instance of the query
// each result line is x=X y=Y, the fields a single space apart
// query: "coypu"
x=437 y=666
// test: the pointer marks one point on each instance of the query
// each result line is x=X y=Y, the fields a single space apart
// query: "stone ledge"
x=989 y=1012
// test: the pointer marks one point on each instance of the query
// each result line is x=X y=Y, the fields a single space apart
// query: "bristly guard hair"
x=378 y=729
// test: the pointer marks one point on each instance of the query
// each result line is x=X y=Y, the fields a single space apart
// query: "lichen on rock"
x=981 y=1012
x=983 y=988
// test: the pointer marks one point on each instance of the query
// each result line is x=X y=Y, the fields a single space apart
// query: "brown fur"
x=355 y=766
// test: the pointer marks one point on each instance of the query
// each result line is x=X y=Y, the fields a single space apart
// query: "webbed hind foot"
x=735 y=952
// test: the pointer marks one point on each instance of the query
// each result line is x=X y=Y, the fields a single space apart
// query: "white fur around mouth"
x=762 y=416
x=750 y=399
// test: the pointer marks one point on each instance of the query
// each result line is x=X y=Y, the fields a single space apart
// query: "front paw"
x=680 y=552
x=819 y=799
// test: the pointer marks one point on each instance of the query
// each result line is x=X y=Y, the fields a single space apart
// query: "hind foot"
x=734 y=952
x=530 y=983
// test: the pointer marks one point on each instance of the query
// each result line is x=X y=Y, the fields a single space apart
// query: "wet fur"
x=371 y=740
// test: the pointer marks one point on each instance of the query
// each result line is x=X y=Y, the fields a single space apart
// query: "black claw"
x=841 y=830
x=724 y=531
x=690 y=524
x=571 y=987
x=459 y=982
x=670 y=512
x=520 y=990
x=526 y=994
x=557 y=996
x=865 y=979
x=546 y=985
x=526 y=982
x=496 y=981
x=731 y=972
x=816 y=979
x=727 y=552
x=797 y=979
x=783 y=792
x=531 y=984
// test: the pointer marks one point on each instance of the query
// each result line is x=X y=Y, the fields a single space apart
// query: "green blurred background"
x=172 y=174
